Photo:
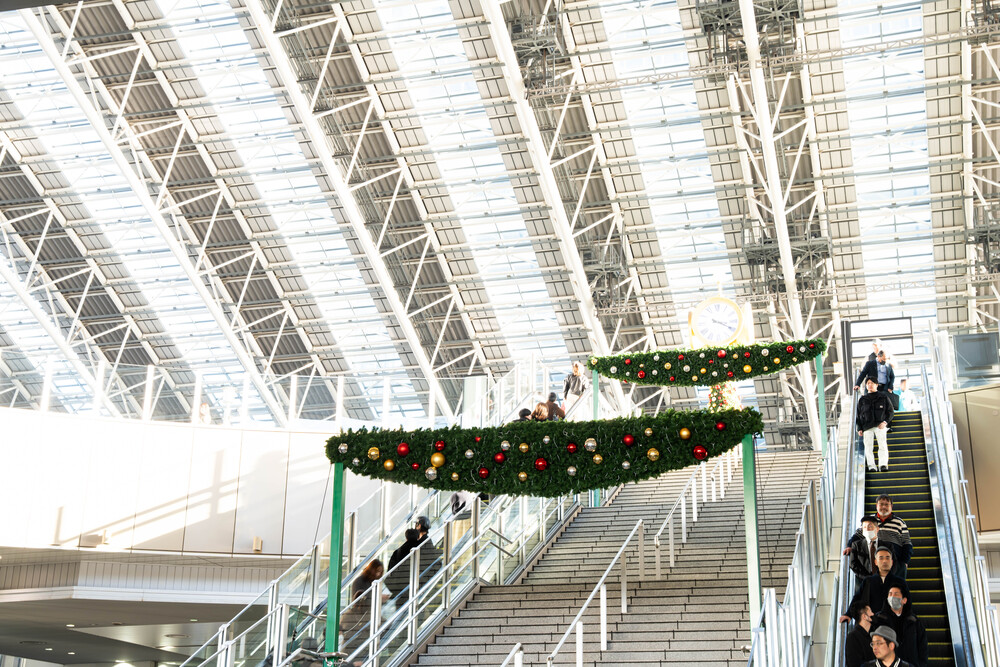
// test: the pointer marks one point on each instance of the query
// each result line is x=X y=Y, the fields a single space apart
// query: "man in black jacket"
x=911 y=644
x=874 y=414
x=884 y=376
x=858 y=648
x=875 y=590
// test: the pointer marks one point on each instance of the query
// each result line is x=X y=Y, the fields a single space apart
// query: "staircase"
x=908 y=483
x=670 y=620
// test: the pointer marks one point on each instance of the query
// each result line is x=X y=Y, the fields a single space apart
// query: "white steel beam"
x=355 y=218
x=772 y=185
x=141 y=189
x=535 y=147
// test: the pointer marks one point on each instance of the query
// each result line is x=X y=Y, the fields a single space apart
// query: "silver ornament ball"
x=571 y=471
x=469 y=453
x=431 y=473
x=505 y=445
x=342 y=448
x=590 y=444
x=626 y=465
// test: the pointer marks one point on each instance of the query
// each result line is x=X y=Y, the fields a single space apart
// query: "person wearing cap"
x=858 y=648
x=861 y=549
x=911 y=644
x=875 y=589
x=555 y=412
x=874 y=414
x=884 y=647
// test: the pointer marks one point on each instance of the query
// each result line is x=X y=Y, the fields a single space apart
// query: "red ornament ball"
x=720 y=426
x=499 y=457
x=415 y=465
x=671 y=378
x=628 y=361
x=484 y=473
x=478 y=438
x=711 y=361
x=642 y=374
x=680 y=357
x=439 y=445
x=541 y=464
x=571 y=448
x=812 y=345
x=746 y=354
x=789 y=349
x=700 y=452
x=729 y=374
x=629 y=440
x=721 y=354
x=402 y=449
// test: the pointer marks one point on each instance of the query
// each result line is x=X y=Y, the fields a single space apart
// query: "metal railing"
x=601 y=587
x=978 y=620
x=782 y=633
x=515 y=657
x=854 y=490
x=721 y=474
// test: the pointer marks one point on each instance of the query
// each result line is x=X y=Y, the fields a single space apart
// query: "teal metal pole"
x=336 y=576
x=821 y=399
x=594 y=383
x=750 y=521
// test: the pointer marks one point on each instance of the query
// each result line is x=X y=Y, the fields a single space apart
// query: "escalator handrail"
x=961 y=613
x=854 y=490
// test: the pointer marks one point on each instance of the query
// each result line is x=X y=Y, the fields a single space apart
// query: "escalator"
x=908 y=483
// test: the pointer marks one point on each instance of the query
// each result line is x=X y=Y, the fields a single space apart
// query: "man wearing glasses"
x=884 y=648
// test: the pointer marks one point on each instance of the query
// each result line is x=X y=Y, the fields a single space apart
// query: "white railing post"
x=671 y=529
x=642 y=551
x=694 y=501
x=604 y=617
x=579 y=644
x=656 y=557
x=704 y=482
x=684 y=532
x=624 y=584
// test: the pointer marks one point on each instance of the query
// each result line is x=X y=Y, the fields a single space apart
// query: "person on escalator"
x=875 y=590
x=893 y=532
x=874 y=414
x=862 y=547
x=911 y=644
x=884 y=647
x=881 y=370
x=398 y=578
x=858 y=649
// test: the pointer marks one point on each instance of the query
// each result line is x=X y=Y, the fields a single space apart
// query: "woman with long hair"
x=354 y=621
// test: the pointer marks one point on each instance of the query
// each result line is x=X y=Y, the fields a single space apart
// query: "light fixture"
x=71 y=653
x=48 y=648
x=193 y=620
x=70 y=625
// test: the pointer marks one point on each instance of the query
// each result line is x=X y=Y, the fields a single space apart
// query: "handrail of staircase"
x=786 y=639
x=406 y=617
x=977 y=617
x=293 y=570
x=601 y=587
x=515 y=657
x=854 y=476
x=721 y=474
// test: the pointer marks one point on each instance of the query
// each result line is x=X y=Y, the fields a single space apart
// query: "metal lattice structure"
x=347 y=209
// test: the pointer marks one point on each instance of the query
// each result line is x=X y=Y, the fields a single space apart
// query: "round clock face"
x=717 y=322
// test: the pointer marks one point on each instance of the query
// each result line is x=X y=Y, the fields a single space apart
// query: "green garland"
x=630 y=449
x=707 y=366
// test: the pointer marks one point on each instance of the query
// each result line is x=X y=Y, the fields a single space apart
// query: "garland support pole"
x=335 y=576
x=821 y=399
x=750 y=522
x=594 y=384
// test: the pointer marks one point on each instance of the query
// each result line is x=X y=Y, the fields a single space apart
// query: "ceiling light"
x=71 y=653
x=193 y=620
x=49 y=648
x=70 y=625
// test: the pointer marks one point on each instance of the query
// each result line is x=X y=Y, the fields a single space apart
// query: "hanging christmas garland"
x=707 y=366
x=543 y=458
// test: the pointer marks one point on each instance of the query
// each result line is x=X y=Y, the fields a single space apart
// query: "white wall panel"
x=212 y=489
x=260 y=502
x=307 y=494
x=115 y=456
x=162 y=496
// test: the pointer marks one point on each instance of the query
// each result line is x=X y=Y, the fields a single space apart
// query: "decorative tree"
x=723 y=397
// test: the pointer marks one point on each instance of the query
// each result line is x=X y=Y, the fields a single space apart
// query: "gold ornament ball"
x=667 y=366
x=694 y=378
x=598 y=459
x=454 y=476
x=795 y=358
x=653 y=454
x=648 y=431
x=704 y=370
x=389 y=464
x=685 y=433
x=777 y=360
x=437 y=459
x=524 y=447
x=373 y=453
x=522 y=476
x=747 y=368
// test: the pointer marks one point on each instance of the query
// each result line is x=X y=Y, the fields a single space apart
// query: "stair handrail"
x=721 y=474
x=601 y=587
x=786 y=639
x=854 y=477
x=971 y=581
x=516 y=655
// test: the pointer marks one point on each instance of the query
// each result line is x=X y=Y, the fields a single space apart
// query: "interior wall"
x=162 y=486
x=977 y=421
